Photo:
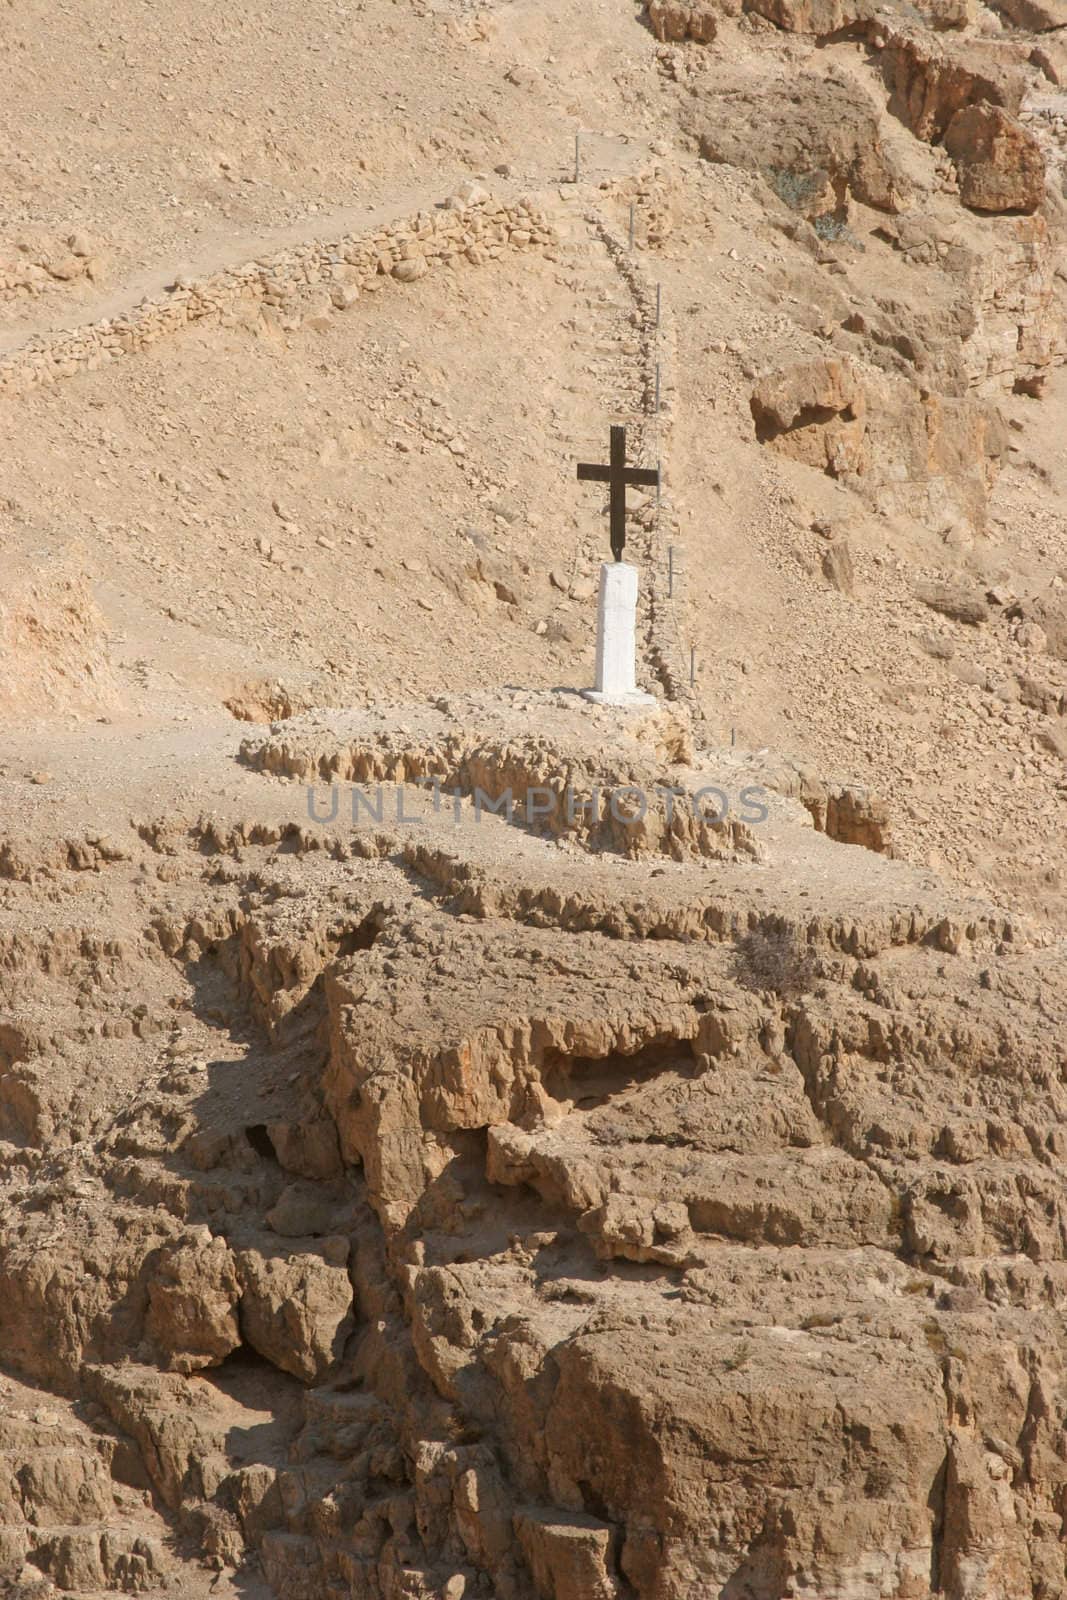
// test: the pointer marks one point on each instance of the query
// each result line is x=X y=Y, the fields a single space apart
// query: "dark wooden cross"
x=617 y=474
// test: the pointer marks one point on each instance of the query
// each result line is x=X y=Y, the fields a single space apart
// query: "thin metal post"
x=733 y=737
x=631 y=224
x=657 y=388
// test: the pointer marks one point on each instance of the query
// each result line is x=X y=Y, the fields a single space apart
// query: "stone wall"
x=289 y=287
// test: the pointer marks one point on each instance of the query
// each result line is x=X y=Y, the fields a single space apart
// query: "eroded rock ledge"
x=436 y=1234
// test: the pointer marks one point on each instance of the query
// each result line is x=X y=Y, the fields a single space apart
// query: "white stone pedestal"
x=616 y=639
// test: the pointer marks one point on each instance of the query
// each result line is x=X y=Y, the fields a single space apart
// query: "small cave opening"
x=769 y=426
x=594 y=1081
x=361 y=937
x=261 y=1141
x=593 y=1501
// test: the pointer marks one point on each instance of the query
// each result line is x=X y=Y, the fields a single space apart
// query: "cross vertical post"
x=617 y=510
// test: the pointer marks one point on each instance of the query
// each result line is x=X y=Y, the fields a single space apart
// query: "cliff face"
x=468 y=1211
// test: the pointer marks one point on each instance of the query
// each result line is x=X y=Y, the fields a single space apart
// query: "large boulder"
x=192 y=1305
x=673 y=20
x=803 y=133
x=1036 y=16
x=931 y=80
x=1000 y=164
x=570 y=1555
x=814 y=412
x=296 y=1307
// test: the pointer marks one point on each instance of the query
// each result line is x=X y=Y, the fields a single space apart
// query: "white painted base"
x=636 y=698
x=616 y=639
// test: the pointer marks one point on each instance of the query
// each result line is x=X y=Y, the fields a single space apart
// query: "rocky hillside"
x=455 y=1141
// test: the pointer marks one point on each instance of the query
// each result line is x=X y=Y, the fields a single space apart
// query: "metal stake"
x=631 y=224
x=657 y=388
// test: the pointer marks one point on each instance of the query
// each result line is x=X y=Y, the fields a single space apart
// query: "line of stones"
x=663 y=588
x=289 y=286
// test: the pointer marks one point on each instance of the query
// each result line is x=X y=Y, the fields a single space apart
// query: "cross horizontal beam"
x=634 y=475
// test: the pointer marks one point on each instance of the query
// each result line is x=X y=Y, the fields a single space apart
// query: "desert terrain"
x=414 y=1185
